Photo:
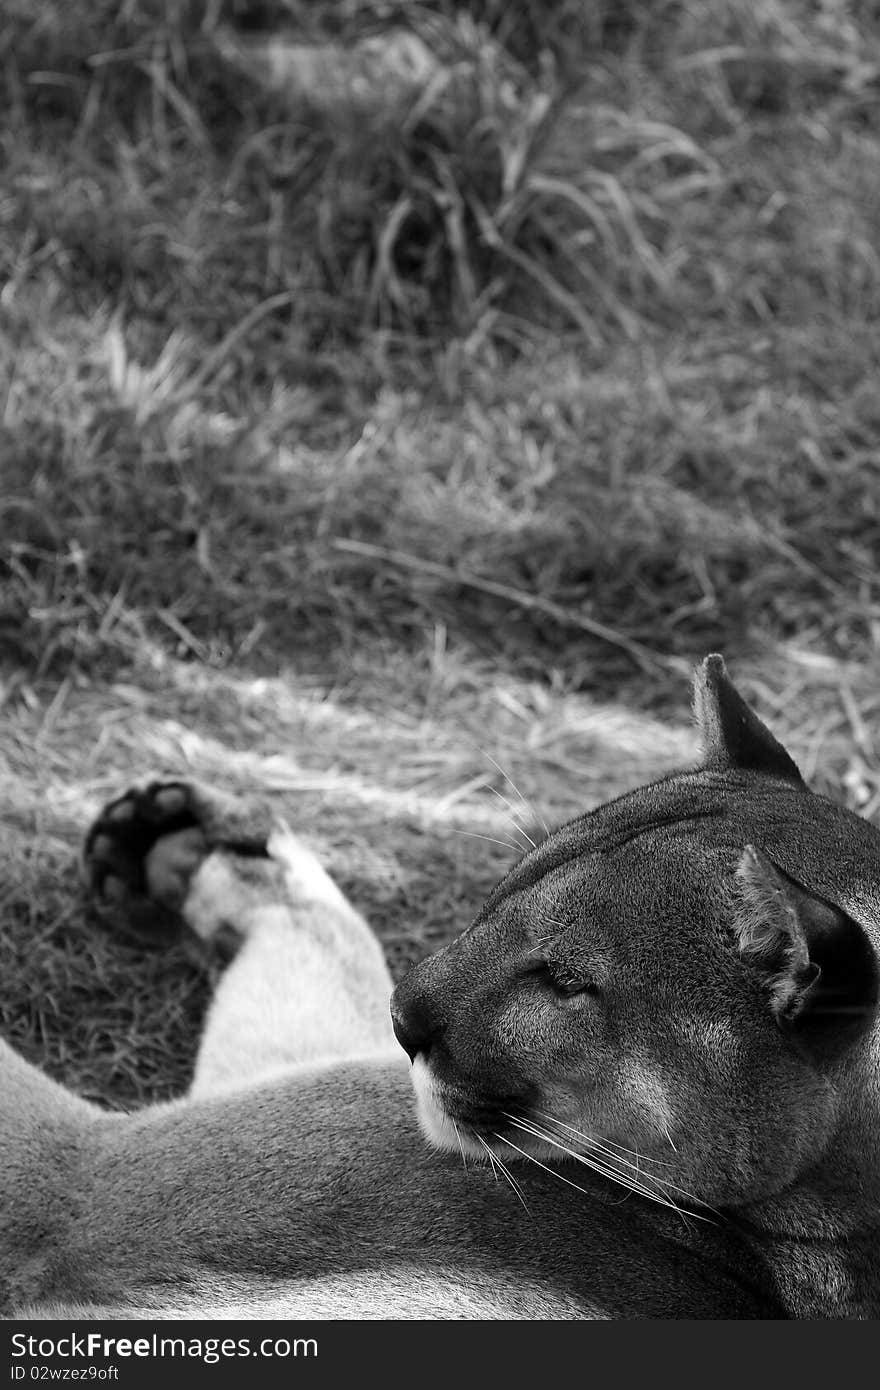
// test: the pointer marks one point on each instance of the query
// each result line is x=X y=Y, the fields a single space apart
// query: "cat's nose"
x=414 y=1020
x=412 y=1030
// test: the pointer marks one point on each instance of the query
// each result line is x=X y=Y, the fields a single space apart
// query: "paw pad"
x=118 y=849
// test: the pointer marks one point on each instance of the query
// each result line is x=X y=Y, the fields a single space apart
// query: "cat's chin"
x=435 y=1121
x=461 y=1133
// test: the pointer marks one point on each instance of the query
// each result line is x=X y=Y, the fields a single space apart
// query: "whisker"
x=491 y=1158
x=516 y=789
x=607 y=1170
x=615 y=1159
x=597 y=1164
x=552 y=1171
x=599 y=1168
x=512 y=809
x=664 y=1185
x=658 y=1179
x=590 y=1162
x=511 y=1180
x=551 y=936
x=603 y=1147
x=514 y=1182
x=460 y=1145
x=540 y=944
x=472 y=834
x=608 y=1144
x=508 y=1175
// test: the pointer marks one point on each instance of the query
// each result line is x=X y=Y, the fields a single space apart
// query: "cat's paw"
x=145 y=851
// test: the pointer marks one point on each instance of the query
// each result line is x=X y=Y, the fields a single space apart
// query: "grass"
x=349 y=445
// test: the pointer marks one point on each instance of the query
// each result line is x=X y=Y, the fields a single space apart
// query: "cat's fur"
x=677 y=991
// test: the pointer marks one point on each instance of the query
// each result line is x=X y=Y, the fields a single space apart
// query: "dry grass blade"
x=592 y=336
x=216 y=358
x=643 y=656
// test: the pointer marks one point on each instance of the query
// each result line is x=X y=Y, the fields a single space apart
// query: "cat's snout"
x=417 y=1025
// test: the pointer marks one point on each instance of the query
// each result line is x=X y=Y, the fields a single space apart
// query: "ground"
x=394 y=446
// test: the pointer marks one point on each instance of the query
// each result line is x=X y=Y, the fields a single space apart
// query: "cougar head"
x=669 y=985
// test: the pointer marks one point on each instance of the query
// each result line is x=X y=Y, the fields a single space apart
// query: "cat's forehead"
x=687 y=827
x=671 y=807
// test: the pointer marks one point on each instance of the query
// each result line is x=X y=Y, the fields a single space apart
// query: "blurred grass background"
x=397 y=400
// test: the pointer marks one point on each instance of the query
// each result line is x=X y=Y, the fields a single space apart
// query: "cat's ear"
x=814 y=959
x=733 y=737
